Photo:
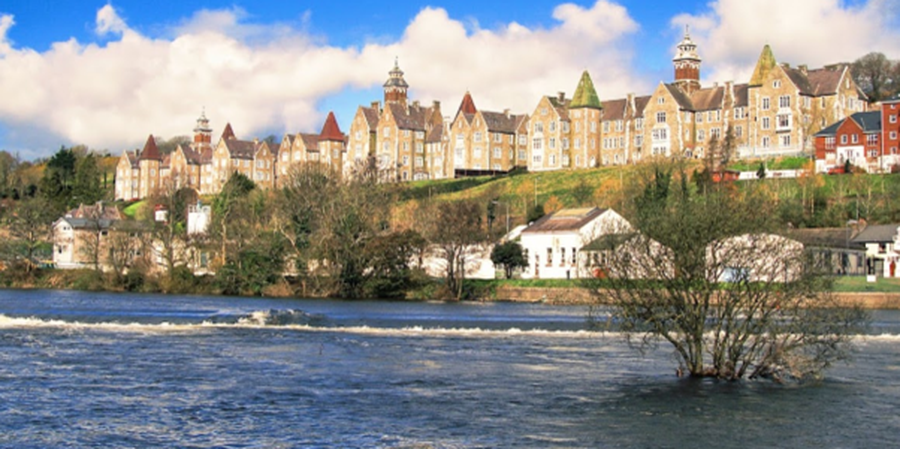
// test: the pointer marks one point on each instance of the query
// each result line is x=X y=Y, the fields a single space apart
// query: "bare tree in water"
x=709 y=274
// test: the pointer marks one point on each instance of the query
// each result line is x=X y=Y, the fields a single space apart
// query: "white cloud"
x=731 y=33
x=265 y=78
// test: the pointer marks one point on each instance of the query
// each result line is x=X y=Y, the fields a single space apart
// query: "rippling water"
x=103 y=370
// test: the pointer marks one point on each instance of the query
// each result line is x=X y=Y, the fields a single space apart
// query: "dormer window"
x=776 y=84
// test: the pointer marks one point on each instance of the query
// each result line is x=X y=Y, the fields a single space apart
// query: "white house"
x=882 y=250
x=553 y=244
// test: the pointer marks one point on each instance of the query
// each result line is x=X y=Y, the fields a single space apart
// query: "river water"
x=110 y=370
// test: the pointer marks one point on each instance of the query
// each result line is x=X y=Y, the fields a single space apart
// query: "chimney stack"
x=561 y=96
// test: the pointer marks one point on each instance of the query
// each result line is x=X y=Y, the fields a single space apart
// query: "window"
x=638 y=140
x=477 y=152
x=784 y=121
x=552 y=127
x=577 y=143
x=829 y=143
x=893 y=118
x=776 y=84
x=765 y=103
x=765 y=142
x=562 y=257
x=855 y=138
x=577 y=127
x=618 y=125
x=386 y=132
x=420 y=134
x=660 y=134
x=844 y=139
x=701 y=135
x=660 y=117
x=605 y=127
x=537 y=159
x=661 y=100
x=893 y=135
x=715 y=132
x=523 y=139
x=478 y=136
x=738 y=113
x=739 y=131
x=498 y=138
x=497 y=153
x=420 y=161
x=536 y=144
x=872 y=139
x=785 y=140
x=784 y=101
x=549 y=257
x=553 y=143
x=552 y=159
x=639 y=124
x=593 y=127
x=765 y=123
x=565 y=127
x=522 y=155
x=420 y=147
x=565 y=143
x=699 y=117
x=538 y=127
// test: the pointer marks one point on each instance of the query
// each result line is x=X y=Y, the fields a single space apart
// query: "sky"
x=108 y=74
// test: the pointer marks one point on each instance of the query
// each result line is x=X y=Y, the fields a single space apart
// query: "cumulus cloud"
x=731 y=33
x=270 y=78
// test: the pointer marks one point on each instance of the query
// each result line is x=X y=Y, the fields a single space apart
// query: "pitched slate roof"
x=435 y=135
x=585 y=94
x=151 y=152
x=831 y=130
x=94 y=211
x=331 y=131
x=741 y=95
x=565 y=220
x=371 y=115
x=561 y=106
x=877 y=234
x=680 y=96
x=841 y=238
x=614 y=109
x=500 y=122
x=240 y=149
x=640 y=103
x=870 y=122
x=413 y=118
x=708 y=99
x=310 y=141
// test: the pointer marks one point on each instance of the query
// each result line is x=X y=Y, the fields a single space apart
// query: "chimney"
x=629 y=101
x=506 y=112
x=376 y=105
x=803 y=69
x=436 y=105
x=561 y=96
x=416 y=104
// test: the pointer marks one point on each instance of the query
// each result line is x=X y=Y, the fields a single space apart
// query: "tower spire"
x=687 y=63
x=395 y=88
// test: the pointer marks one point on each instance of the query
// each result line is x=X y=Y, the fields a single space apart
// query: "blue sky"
x=108 y=74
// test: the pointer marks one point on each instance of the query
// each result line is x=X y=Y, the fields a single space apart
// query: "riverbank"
x=579 y=296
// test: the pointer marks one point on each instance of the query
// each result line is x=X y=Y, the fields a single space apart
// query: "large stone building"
x=487 y=141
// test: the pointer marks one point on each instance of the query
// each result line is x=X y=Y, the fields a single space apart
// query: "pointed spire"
x=228 y=133
x=396 y=76
x=468 y=105
x=331 y=131
x=764 y=65
x=151 y=152
x=585 y=94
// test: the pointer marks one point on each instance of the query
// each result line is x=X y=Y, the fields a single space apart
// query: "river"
x=111 y=370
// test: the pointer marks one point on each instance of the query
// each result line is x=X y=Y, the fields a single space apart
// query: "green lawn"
x=853 y=284
x=131 y=210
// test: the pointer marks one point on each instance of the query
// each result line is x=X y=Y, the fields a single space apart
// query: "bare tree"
x=455 y=231
x=707 y=274
x=30 y=228
x=874 y=74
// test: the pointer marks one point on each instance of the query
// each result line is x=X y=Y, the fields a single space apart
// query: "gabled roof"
x=708 y=99
x=561 y=106
x=877 y=234
x=640 y=103
x=614 y=109
x=95 y=211
x=331 y=131
x=467 y=106
x=500 y=122
x=585 y=94
x=840 y=238
x=565 y=220
x=151 y=152
x=741 y=95
x=870 y=122
x=680 y=96
x=371 y=115
x=240 y=149
x=310 y=141
x=413 y=117
x=818 y=82
x=435 y=135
